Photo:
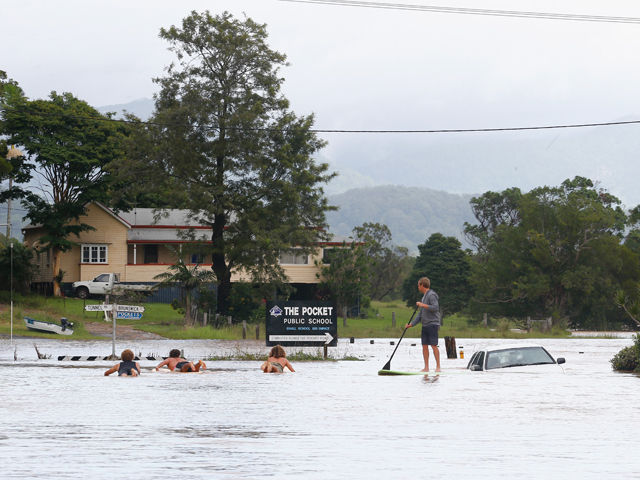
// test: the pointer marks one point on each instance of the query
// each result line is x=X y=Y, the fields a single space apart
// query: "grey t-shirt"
x=430 y=315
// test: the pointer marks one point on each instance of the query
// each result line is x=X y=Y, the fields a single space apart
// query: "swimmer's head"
x=175 y=353
x=277 y=352
x=127 y=355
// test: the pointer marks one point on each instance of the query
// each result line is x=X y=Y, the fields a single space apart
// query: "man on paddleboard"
x=428 y=315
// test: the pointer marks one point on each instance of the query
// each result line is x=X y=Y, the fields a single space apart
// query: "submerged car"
x=515 y=358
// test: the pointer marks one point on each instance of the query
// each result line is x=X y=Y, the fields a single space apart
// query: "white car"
x=515 y=358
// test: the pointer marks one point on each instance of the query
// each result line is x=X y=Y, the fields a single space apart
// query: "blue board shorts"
x=179 y=366
x=430 y=335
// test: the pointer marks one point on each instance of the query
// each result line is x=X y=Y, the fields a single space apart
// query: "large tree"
x=389 y=263
x=228 y=147
x=67 y=145
x=555 y=251
x=345 y=274
x=448 y=267
x=9 y=89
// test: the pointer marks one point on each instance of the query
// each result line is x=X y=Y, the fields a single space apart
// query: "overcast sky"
x=356 y=68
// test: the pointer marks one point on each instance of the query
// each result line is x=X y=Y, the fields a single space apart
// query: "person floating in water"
x=126 y=368
x=175 y=363
x=277 y=361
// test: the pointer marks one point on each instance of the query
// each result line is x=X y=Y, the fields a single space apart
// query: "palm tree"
x=187 y=279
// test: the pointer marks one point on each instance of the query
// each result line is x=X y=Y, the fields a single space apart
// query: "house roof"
x=142 y=226
x=141 y=217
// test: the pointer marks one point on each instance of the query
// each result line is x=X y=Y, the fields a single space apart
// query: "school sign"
x=302 y=324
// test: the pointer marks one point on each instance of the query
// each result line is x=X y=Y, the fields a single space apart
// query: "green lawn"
x=161 y=319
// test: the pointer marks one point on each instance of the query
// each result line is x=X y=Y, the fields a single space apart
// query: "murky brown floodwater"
x=328 y=420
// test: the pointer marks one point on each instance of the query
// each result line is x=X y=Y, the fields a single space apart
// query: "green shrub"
x=259 y=315
x=625 y=360
x=504 y=326
x=5 y=297
x=628 y=359
x=242 y=302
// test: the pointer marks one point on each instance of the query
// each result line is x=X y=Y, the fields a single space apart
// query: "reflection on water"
x=328 y=420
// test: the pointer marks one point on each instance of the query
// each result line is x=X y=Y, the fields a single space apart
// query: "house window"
x=197 y=258
x=151 y=254
x=294 y=258
x=326 y=255
x=94 y=254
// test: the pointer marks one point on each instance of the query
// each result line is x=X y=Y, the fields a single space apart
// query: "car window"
x=102 y=278
x=477 y=359
x=512 y=357
x=480 y=360
x=472 y=359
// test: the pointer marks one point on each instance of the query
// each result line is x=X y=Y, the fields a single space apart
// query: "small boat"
x=66 y=328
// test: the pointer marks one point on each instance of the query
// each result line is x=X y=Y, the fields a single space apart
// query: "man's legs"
x=189 y=367
x=436 y=353
x=425 y=354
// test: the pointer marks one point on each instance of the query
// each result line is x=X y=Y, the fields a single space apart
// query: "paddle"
x=388 y=364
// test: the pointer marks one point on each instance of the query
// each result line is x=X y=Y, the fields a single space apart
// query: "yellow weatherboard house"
x=134 y=245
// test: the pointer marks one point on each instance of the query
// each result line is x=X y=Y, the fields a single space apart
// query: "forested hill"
x=412 y=213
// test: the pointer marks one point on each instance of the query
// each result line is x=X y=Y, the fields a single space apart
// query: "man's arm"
x=162 y=364
x=433 y=304
x=113 y=369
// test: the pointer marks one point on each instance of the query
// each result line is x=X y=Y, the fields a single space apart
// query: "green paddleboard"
x=395 y=372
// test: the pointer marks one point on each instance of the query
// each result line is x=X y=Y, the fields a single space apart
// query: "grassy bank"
x=162 y=320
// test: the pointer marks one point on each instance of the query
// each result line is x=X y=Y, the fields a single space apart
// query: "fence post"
x=450 y=344
x=258 y=332
x=550 y=322
x=217 y=319
x=393 y=319
x=529 y=324
x=230 y=321
x=244 y=329
x=204 y=320
x=484 y=319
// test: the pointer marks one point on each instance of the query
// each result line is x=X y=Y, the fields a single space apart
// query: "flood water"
x=327 y=420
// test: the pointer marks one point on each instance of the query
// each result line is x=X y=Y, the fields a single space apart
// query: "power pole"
x=13 y=153
x=9 y=212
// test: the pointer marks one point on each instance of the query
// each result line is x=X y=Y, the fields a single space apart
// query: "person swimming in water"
x=277 y=361
x=175 y=363
x=126 y=368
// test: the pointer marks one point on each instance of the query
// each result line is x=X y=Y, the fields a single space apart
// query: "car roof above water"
x=511 y=346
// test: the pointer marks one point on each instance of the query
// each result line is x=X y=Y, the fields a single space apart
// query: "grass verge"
x=292 y=355
x=162 y=320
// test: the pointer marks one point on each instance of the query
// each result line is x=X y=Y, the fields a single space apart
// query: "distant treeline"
x=411 y=213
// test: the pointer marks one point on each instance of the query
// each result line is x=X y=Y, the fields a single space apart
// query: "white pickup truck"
x=104 y=284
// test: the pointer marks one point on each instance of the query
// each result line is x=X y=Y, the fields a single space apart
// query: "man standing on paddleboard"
x=430 y=319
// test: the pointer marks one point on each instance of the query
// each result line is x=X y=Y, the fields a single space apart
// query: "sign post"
x=117 y=311
x=302 y=324
x=113 y=340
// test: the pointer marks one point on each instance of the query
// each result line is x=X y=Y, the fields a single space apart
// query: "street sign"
x=98 y=308
x=129 y=308
x=128 y=315
x=301 y=323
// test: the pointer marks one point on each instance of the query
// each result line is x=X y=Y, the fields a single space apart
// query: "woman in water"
x=277 y=361
x=126 y=368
